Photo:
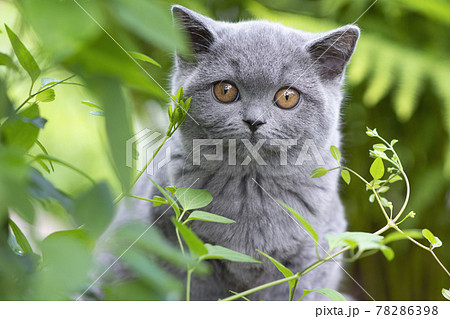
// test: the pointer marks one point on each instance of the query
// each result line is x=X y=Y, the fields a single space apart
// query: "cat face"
x=260 y=80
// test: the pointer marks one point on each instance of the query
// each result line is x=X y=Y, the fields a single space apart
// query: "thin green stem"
x=57 y=160
x=138 y=197
x=291 y=297
x=234 y=292
x=188 y=284
x=181 y=215
x=268 y=285
x=373 y=190
x=440 y=263
x=410 y=238
x=405 y=203
x=30 y=96
x=150 y=160
x=122 y=195
x=317 y=250
x=119 y=198
x=404 y=218
x=179 y=240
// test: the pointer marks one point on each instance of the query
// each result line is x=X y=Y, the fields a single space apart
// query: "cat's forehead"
x=260 y=35
x=259 y=49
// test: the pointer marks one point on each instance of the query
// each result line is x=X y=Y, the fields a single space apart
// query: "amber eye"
x=225 y=92
x=287 y=98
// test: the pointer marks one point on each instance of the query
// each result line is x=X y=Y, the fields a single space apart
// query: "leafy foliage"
x=399 y=73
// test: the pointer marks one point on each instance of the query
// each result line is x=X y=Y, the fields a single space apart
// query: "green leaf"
x=380 y=147
x=219 y=252
x=394 y=236
x=387 y=252
x=41 y=163
x=152 y=243
x=362 y=241
x=66 y=265
x=92 y=104
x=394 y=179
x=335 y=153
x=437 y=244
x=346 y=176
x=64 y=163
x=446 y=293
x=208 y=217
x=429 y=236
x=171 y=189
x=187 y=103
x=42 y=147
x=131 y=290
x=97 y=113
x=42 y=189
x=70 y=28
x=151 y=21
x=196 y=246
x=20 y=238
x=303 y=221
x=351 y=238
x=6 y=107
x=318 y=172
x=158 y=201
x=383 y=189
x=191 y=198
x=384 y=201
x=154 y=275
x=144 y=58
x=331 y=294
x=23 y=55
x=46 y=96
x=168 y=197
x=284 y=270
x=14 y=245
x=371 y=133
x=111 y=96
x=376 y=153
x=22 y=130
x=14 y=183
x=7 y=61
x=179 y=96
x=94 y=209
x=377 y=168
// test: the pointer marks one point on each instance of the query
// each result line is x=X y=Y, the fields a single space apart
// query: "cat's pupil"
x=225 y=90
x=286 y=95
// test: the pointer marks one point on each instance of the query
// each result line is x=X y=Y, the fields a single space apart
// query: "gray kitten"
x=257 y=86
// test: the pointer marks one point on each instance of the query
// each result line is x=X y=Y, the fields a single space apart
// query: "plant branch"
x=440 y=263
x=123 y=194
x=300 y=274
x=40 y=91
x=373 y=190
x=405 y=203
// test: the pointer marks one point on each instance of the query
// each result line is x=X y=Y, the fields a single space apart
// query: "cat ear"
x=332 y=51
x=197 y=27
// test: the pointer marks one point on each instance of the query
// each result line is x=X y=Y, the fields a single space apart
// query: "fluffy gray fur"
x=259 y=57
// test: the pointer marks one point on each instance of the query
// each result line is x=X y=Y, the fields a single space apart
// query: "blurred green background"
x=398 y=81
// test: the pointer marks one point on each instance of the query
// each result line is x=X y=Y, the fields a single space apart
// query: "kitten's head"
x=257 y=79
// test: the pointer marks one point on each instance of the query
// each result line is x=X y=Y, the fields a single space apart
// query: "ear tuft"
x=333 y=50
x=196 y=26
